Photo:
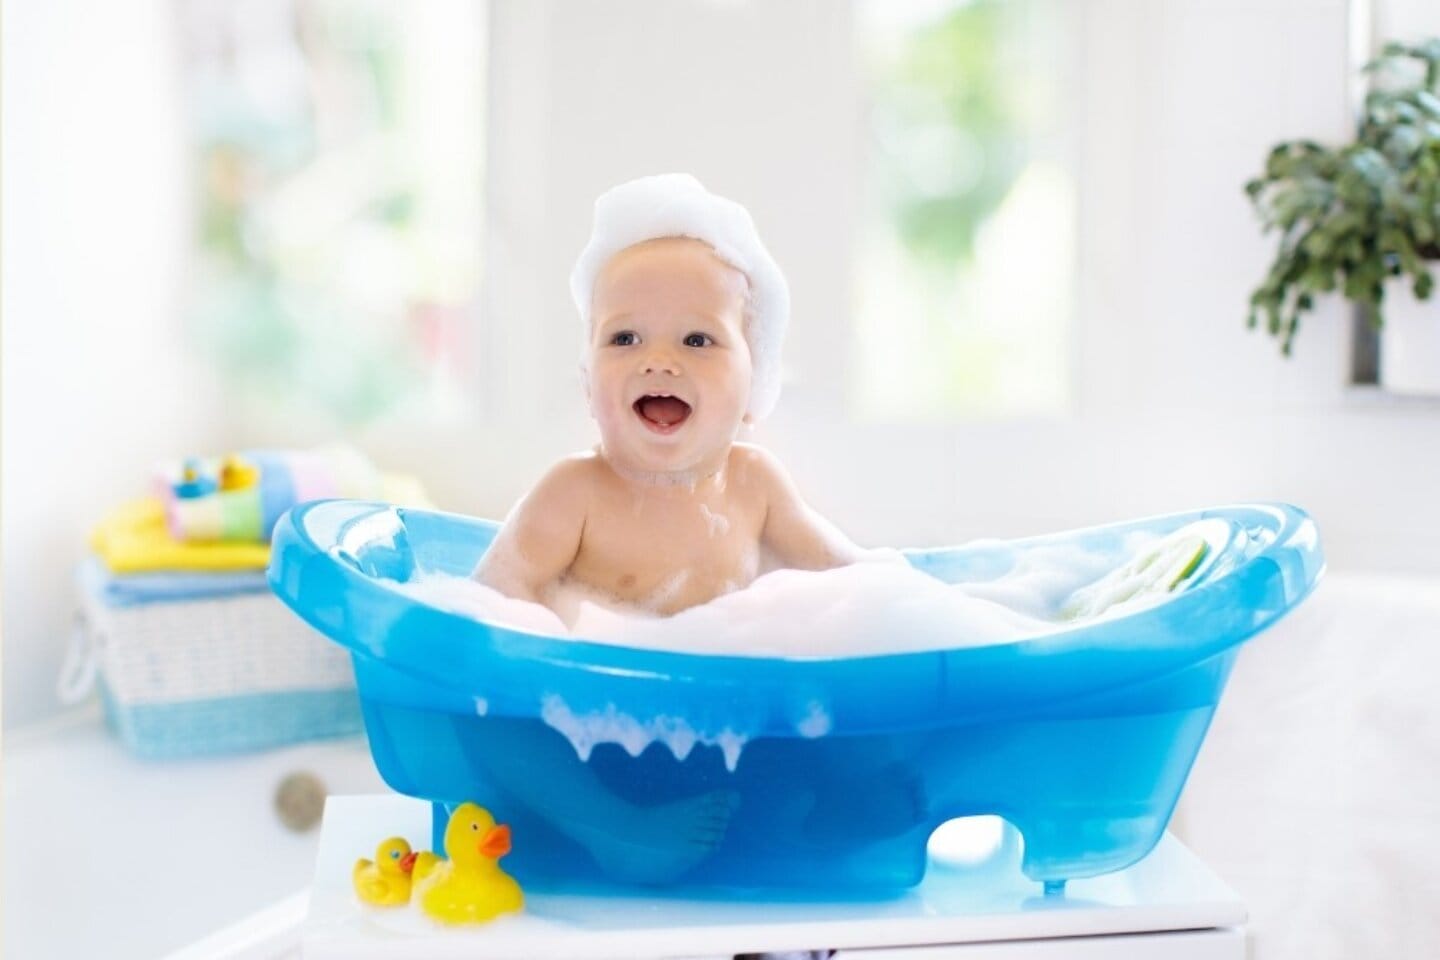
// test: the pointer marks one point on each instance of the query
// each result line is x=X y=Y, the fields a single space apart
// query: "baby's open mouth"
x=662 y=414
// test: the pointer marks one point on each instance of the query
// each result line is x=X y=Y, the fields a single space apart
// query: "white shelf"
x=1371 y=396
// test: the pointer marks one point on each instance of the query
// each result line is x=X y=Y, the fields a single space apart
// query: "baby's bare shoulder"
x=582 y=466
x=756 y=469
x=566 y=486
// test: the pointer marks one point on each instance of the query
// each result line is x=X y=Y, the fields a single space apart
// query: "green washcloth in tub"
x=1163 y=566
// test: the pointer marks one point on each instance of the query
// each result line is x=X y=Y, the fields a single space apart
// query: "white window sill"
x=1369 y=396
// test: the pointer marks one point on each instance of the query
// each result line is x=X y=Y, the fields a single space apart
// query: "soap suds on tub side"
x=815 y=723
x=612 y=726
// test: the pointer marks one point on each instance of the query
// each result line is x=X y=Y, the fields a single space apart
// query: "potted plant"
x=1364 y=219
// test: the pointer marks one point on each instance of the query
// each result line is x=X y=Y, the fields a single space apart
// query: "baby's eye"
x=623 y=339
x=698 y=340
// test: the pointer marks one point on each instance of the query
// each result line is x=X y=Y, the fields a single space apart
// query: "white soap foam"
x=716 y=523
x=815 y=723
x=883 y=605
x=878 y=606
x=470 y=598
x=586 y=730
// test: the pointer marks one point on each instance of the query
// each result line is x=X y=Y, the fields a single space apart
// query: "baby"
x=684 y=311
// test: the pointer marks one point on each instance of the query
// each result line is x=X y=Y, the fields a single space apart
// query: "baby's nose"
x=662 y=360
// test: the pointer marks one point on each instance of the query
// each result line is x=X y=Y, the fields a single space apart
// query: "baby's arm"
x=540 y=538
x=794 y=534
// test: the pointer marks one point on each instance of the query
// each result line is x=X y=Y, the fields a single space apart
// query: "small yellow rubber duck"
x=237 y=473
x=469 y=887
x=386 y=882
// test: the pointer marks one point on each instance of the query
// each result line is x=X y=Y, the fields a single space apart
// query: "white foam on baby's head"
x=678 y=205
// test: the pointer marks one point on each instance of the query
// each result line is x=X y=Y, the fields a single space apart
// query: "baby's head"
x=684 y=311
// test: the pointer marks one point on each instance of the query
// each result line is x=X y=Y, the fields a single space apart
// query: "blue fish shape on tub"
x=810 y=776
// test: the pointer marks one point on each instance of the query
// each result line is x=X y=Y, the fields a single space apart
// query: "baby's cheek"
x=609 y=415
x=740 y=387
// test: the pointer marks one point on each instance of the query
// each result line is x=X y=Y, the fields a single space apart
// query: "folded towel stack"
x=136 y=539
x=191 y=652
x=238 y=498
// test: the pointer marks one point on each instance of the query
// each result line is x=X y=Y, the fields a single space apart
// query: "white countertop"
x=985 y=900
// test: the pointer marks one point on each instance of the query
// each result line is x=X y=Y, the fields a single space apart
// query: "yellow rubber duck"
x=237 y=473
x=469 y=887
x=425 y=862
x=386 y=882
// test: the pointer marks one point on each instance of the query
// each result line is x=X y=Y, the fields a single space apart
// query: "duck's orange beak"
x=407 y=862
x=496 y=843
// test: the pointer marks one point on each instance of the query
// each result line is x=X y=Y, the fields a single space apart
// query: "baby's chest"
x=706 y=548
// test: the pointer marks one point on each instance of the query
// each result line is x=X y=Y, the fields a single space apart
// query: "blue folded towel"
x=135 y=589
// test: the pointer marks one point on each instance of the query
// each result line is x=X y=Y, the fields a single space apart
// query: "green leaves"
x=1349 y=217
x=1428 y=102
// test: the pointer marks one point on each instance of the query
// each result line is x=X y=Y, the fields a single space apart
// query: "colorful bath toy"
x=469 y=886
x=1157 y=570
x=815 y=776
x=237 y=473
x=194 y=481
x=386 y=882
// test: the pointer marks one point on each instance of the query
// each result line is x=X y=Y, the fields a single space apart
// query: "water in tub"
x=880 y=605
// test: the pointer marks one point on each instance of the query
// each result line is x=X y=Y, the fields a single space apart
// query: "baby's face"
x=669 y=367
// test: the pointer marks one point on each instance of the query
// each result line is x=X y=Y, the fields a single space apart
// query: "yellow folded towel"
x=135 y=539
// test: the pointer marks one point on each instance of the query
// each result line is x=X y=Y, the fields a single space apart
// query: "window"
x=967 y=243
x=338 y=162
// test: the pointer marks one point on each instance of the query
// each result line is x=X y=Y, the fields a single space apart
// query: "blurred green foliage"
x=950 y=129
x=287 y=188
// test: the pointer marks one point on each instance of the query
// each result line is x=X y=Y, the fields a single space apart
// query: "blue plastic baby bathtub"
x=813 y=776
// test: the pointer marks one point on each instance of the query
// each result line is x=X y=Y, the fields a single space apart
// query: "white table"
x=1169 y=905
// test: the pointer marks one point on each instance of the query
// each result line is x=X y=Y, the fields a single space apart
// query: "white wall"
x=1177 y=404
x=1307 y=797
x=96 y=381
x=753 y=98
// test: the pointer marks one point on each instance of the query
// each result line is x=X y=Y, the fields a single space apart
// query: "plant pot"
x=1410 y=343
